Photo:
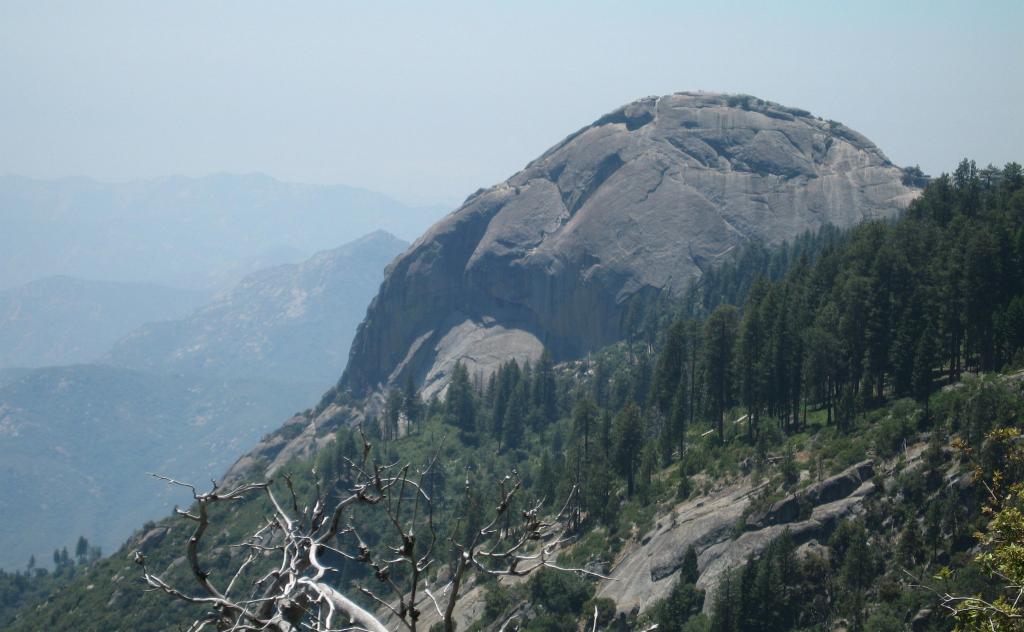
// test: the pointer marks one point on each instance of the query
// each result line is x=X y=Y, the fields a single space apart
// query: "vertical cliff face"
x=640 y=201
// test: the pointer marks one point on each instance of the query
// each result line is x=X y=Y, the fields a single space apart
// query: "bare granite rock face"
x=640 y=201
x=648 y=568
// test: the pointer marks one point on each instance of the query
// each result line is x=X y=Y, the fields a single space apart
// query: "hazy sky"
x=431 y=101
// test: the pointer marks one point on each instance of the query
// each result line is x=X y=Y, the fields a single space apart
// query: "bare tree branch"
x=296 y=593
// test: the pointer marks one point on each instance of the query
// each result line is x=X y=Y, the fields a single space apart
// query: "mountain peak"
x=379 y=236
x=636 y=203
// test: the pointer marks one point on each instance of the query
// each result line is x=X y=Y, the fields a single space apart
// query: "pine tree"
x=584 y=417
x=719 y=340
x=82 y=549
x=648 y=464
x=392 y=415
x=925 y=358
x=671 y=361
x=689 y=572
x=459 y=405
x=509 y=376
x=606 y=445
x=515 y=417
x=856 y=573
x=750 y=356
x=596 y=492
x=547 y=479
x=411 y=404
x=910 y=549
x=628 y=439
x=544 y=390
x=728 y=607
x=678 y=420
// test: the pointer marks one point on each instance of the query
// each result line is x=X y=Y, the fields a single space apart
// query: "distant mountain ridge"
x=66 y=320
x=293 y=322
x=199 y=233
x=179 y=397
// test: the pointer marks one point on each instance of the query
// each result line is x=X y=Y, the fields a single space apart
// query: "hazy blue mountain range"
x=290 y=322
x=76 y=444
x=186 y=232
x=65 y=320
x=9 y=375
x=182 y=397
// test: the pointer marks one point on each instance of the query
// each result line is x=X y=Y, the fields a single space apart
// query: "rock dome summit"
x=642 y=200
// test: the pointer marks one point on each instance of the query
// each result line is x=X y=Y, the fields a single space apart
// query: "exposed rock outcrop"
x=831 y=489
x=647 y=570
x=638 y=202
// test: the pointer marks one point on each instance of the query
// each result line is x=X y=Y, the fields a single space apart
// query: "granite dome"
x=642 y=200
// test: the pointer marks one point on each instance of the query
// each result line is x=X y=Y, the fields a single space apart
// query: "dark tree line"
x=20 y=587
x=887 y=310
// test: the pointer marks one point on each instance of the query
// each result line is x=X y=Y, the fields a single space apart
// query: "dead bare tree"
x=296 y=593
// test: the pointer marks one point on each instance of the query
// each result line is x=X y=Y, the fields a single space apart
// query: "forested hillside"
x=876 y=361
x=76 y=444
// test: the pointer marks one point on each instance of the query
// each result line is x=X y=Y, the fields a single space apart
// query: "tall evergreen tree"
x=544 y=389
x=515 y=417
x=719 y=342
x=584 y=421
x=460 y=406
x=411 y=404
x=628 y=440
x=671 y=362
x=750 y=354
x=82 y=549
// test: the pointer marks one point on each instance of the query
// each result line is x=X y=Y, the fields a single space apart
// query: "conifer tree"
x=678 y=420
x=544 y=390
x=459 y=405
x=515 y=417
x=689 y=572
x=411 y=404
x=392 y=415
x=584 y=419
x=648 y=464
x=82 y=549
x=719 y=341
x=750 y=354
x=628 y=440
x=925 y=358
x=671 y=362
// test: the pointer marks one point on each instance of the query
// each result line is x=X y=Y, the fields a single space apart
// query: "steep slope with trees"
x=814 y=492
x=76 y=444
